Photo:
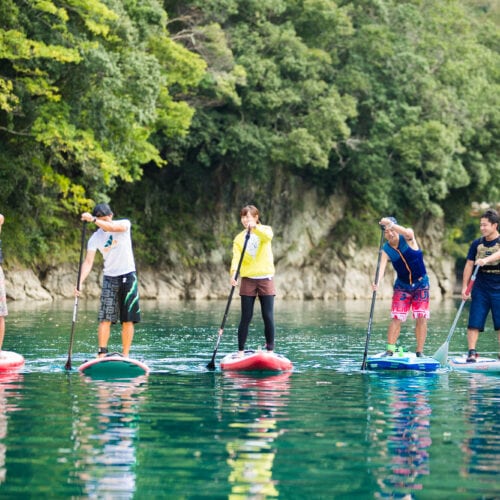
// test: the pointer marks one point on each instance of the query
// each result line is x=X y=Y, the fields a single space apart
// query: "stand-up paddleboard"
x=10 y=360
x=481 y=364
x=113 y=365
x=256 y=361
x=401 y=361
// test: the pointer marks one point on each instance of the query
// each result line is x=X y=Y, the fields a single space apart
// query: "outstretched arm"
x=469 y=265
x=86 y=268
x=383 y=264
x=488 y=260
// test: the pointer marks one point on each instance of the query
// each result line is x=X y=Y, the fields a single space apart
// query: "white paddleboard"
x=481 y=365
x=113 y=365
x=10 y=360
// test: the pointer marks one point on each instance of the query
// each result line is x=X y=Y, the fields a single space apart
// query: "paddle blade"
x=441 y=355
x=211 y=365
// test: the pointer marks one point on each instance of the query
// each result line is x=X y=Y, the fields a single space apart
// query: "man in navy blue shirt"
x=486 y=291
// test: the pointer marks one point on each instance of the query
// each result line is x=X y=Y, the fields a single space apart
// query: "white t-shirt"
x=116 y=248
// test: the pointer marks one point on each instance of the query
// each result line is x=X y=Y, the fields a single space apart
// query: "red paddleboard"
x=481 y=364
x=260 y=361
x=113 y=365
x=10 y=361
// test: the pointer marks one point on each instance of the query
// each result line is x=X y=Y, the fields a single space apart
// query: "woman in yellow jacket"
x=257 y=275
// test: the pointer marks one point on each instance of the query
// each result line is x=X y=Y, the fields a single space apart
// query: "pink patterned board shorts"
x=3 y=295
x=417 y=300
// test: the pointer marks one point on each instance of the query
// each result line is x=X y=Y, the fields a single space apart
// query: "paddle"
x=441 y=354
x=211 y=364
x=75 y=306
x=374 y=294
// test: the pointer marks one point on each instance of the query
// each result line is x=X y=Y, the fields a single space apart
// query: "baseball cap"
x=101 y=210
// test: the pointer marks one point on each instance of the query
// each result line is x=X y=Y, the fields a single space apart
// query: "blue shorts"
x=482 y=303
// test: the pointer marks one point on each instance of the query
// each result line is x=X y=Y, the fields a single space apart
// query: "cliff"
x=308 y=264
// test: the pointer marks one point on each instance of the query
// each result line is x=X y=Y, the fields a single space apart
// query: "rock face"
x=307 y=266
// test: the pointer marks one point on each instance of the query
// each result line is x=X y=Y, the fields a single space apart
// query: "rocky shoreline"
x=346 y=280
x=307 y=265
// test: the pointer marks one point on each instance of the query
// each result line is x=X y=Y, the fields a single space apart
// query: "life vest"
x=408 y=263
x=484 y=251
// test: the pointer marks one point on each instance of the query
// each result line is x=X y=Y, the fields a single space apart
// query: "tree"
x=84 y=88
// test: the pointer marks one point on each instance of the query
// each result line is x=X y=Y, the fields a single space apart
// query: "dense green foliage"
x=183 y=111
x=83 y=88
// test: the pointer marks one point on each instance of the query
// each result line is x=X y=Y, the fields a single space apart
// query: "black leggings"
x=267 y=309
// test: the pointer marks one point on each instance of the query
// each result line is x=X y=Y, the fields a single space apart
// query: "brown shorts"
x=253 y=287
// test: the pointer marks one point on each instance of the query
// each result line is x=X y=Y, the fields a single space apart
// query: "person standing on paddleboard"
x=257 y=275
x=486 y=291
x=411 y=288
x=119 y=295
x=3 y=294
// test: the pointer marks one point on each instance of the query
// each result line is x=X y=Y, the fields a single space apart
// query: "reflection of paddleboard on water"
x=10 y=360
x=256 y=361
x=105 y=442
x=257 y=407
x=482 y=364
x=400 y=435
x=401 y=361
x=10 y=394
x=114 y=365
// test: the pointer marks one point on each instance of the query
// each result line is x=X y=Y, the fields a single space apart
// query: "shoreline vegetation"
x=326 y=115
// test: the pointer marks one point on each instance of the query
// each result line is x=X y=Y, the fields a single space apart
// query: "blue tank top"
x=408 y=263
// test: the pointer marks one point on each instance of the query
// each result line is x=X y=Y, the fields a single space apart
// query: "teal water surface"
x=327 y=430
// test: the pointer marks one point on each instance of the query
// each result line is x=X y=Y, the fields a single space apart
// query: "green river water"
x=325 y=431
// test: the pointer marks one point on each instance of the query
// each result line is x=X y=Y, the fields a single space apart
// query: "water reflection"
x=256 y=412
x=105 y=434
x=480 y=448
x=10 y=383
x=401 y=433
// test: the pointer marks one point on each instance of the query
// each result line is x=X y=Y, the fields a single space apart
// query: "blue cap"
x=392 y=219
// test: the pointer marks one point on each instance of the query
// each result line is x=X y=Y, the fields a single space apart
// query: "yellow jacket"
x=258 y=260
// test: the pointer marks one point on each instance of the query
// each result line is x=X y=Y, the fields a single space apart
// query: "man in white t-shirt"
x=120 y=295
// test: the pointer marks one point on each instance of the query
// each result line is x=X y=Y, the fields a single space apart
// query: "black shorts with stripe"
x=120 y=299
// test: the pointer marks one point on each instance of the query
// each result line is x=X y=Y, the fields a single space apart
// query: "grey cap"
x=101 y=210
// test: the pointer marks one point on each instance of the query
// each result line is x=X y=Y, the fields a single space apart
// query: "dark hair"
x=491 y=215
x=254 y=211
x=101 y=210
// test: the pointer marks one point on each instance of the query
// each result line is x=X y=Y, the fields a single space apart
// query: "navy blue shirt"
x=488 y=276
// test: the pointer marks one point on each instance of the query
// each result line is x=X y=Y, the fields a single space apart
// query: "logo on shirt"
x=253 y=245
x=110 y=243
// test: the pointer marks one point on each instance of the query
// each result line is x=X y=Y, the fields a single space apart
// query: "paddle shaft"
x=75 y=305
x=459 y=312
x=374 y=295
x=211 y=364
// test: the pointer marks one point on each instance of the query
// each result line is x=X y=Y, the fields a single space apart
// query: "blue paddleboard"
x=401 y=361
